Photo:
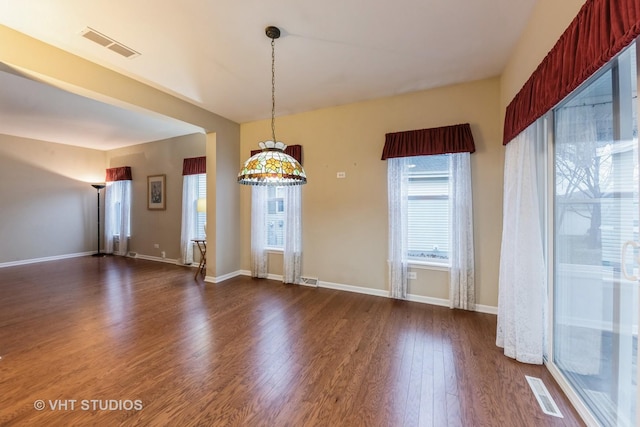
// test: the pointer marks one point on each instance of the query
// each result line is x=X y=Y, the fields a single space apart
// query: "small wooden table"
x=202 y=247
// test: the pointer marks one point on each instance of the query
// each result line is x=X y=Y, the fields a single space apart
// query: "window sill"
x=274 y=250
x=428 y=266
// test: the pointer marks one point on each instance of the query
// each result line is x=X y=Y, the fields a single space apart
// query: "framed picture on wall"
x=156 y=192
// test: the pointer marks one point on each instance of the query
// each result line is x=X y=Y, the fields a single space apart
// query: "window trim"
x=426 y=265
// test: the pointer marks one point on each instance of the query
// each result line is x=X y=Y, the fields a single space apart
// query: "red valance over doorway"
x=600 y=31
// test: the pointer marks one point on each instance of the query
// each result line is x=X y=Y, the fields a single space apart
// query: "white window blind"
x=428 y=209
x=201 y=217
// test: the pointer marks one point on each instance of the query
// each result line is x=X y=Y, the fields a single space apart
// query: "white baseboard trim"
x=158 y=259
x=321 y=284
x=45 y=259
x=218 y=279
x=428 y=300
x=270 y=276
x=351 y=288
x=488 y=309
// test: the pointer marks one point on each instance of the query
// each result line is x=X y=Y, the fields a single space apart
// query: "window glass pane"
x=274 y=218
x=428 y=209
x=595 y=213
x=201 y=217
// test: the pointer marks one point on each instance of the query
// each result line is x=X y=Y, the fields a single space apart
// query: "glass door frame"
x=547 y=185
x=549 y=226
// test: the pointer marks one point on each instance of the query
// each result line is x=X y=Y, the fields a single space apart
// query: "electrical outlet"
x=163 y=254
x=412 y=275
x=341 y=175
x=156 y=245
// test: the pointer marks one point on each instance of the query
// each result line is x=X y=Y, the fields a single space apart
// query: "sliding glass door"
x=596 y=212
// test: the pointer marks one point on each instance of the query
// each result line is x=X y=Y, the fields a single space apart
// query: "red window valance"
x=119 y=174
x=294 y=151
x=194 y=165
x=601 y=30
x=423 y=142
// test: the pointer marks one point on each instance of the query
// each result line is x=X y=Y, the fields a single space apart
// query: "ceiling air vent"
x=104 y=41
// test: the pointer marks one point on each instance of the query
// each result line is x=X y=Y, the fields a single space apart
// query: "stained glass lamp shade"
x=272 y=166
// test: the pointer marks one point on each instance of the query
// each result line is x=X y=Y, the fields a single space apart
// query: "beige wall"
x=162 y=227
x=223 y=199
x=48 y=208
x=548 y=21
x=54 y=66
x=345 y=220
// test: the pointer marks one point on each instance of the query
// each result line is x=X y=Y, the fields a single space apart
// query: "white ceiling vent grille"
x=104 y=41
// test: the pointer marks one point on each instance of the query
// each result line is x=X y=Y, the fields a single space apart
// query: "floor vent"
x=543 y=397
x=104 y=41
x=309 y=281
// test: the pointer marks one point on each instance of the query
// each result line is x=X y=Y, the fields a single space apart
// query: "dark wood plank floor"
x=244 y=352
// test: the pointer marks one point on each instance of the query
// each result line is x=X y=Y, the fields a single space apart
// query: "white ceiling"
x=214 y=53
x=31 y=109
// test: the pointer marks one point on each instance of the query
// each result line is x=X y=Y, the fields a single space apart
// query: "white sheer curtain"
x=258 y=232
x=522 y=280
x=397 y=190
x=117 y=212
x=292 y=257
x=462 y=271
x=189 y=217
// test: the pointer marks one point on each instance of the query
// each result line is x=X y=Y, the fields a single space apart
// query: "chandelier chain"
x=273 y=90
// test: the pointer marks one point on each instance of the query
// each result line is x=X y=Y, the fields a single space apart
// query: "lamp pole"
x=98 y=187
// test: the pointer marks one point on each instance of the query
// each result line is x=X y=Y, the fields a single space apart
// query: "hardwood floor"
x=127 y=333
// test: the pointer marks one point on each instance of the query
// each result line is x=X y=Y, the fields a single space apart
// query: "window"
x=117 y=215
x=118 y=206
x=431 y=205
x=431 y=221
x=595 y=212
x=274 y=217
x=201 y=216
x=428 y=208
x=194 y=216
x=276 y=225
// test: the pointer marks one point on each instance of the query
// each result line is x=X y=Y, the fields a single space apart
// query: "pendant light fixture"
x=272 y=166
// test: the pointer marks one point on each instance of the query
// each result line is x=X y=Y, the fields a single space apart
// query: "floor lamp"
x=98 y=187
